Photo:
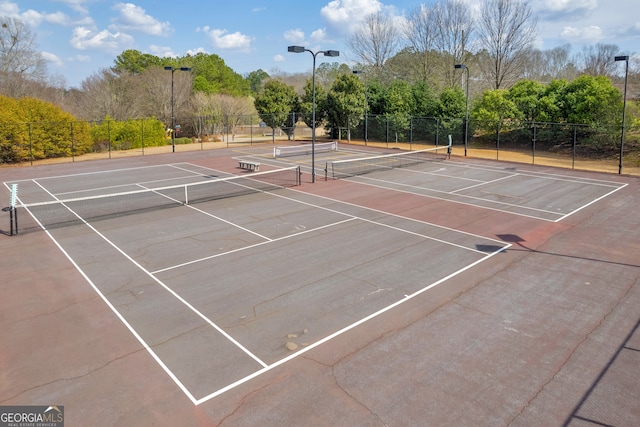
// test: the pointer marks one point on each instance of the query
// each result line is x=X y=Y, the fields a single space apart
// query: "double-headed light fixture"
x=300 y=49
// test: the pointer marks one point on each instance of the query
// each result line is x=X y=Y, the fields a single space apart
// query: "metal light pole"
x=624 y=104
x=366 y=106
x=173 y=118
x=300 y=49
x=466 y=114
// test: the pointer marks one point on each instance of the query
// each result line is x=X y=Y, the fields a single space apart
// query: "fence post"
x=573 y=151
x=30 y=144
x=498 y=141
x=533 y=145
x=109 y=137
x=73 y=151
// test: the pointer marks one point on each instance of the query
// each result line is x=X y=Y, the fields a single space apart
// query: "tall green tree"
x=527 y=95
x=592 y=100
x=425 y=103
x=306 y=104
x=212 y=75
x=398 y=107
x=346 y=102
x=135 y=62
x=275 y=104
x=495 y=111
x=256 y=80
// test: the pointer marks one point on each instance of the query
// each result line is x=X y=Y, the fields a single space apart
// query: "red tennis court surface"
x=454 y=293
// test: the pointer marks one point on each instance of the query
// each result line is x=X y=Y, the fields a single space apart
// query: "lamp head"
x=296 y=49
x=460 y=66
x=621 y=58
x=331 y=53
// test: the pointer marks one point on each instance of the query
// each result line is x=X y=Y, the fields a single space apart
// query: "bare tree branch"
x=507 y=30
x=375 y=41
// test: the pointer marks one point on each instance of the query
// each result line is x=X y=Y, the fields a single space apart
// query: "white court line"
x=482 y=183
x=266 y=367
x=377 y=211
x=345 y=329
x=457 y=195
x=194 y=261
x=89 y=173
x=536 y=174
x=610 y=184
x=158 y=281
x=592 y=202
x=206 y=213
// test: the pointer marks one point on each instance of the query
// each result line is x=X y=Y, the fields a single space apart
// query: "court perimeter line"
x=194 y=261
x=457 y=201
x=560 y=217
x=179 y=203
x=88 y=173
x=532 y=173
x=593 y=201
x=345 y=329
x=117 y=313
x=372 y=210
x=168 y=289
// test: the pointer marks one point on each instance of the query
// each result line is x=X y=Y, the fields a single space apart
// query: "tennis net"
x=306 y=149
x=352 y=167
x=64 y=212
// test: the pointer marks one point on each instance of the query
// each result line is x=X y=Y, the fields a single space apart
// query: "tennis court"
x=229 y=280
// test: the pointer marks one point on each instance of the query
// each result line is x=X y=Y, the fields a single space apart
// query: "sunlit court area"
x=236 y=287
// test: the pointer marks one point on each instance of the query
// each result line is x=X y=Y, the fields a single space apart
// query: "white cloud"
x=568 y=6
x=134 y=18
x=34 y=18
x=345 y=15
x=84 y=38
x=53 y=58
x=77 y=5
x=9 y=9
x=318 y=36
x=162 y=51
x=196 y=51
x=591 y=33
x=294 y=36
x=224 y=40
x=279 y=58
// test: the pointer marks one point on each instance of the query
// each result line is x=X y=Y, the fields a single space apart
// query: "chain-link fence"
x=566 y=145
x=556 y=144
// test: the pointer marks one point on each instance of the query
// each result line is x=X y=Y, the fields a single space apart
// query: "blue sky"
x=80 y=37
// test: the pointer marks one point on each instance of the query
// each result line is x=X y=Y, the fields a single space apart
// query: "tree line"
x=403 y=71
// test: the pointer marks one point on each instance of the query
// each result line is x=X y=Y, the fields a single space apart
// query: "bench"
x=247 y=165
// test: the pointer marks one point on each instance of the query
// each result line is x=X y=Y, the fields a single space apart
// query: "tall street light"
x=366 y=106
x=466 y=114
x=624 y=104
x=300 y=49
x=173 y=118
